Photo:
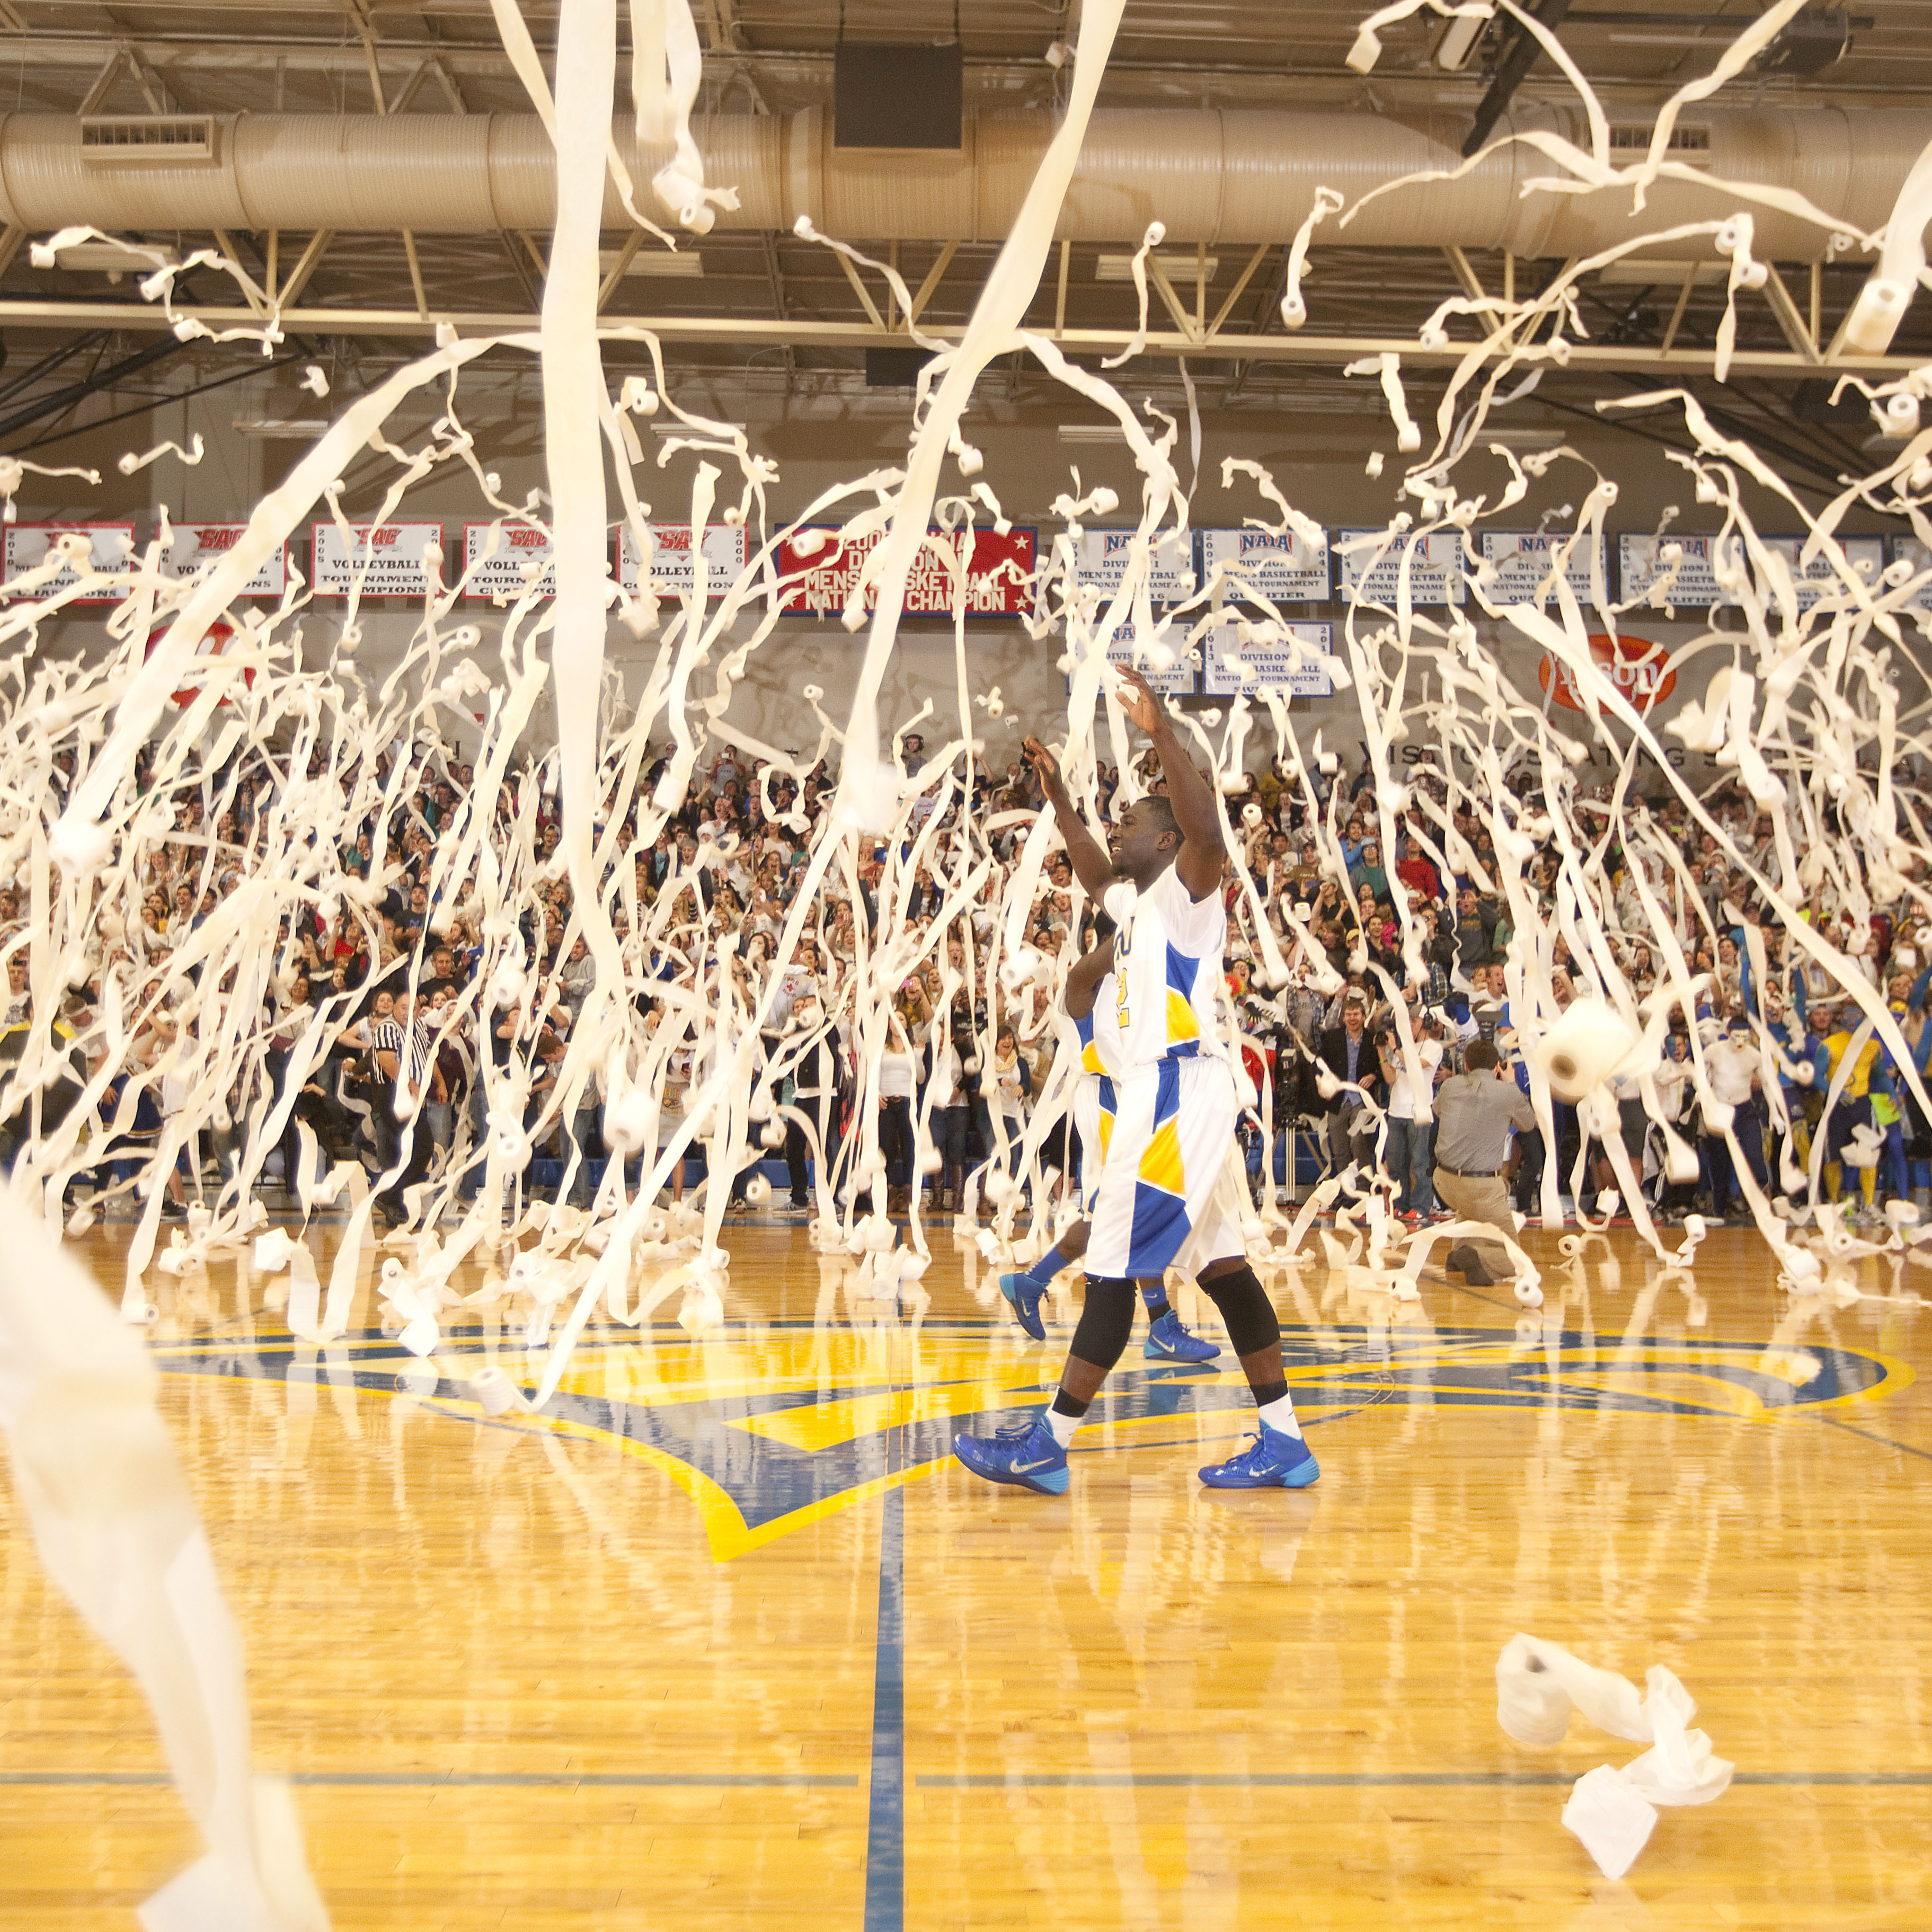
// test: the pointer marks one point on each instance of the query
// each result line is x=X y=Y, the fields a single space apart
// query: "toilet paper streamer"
x=1611 y=1810
x=112 y=1518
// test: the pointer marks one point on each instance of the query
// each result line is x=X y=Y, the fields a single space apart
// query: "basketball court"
x=725 y=1638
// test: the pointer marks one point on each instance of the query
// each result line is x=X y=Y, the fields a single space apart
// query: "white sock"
x=1279 y=1414
x=1064 y=1426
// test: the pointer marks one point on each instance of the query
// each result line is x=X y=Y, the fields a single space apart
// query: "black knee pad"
x=1245 y=1309
x=1106 y=1320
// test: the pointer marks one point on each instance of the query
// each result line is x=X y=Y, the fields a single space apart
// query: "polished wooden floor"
x=727 y=1642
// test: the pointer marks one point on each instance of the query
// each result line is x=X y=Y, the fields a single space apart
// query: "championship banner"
x=1909 y=550
x=506 y=561
x=1866 y=556
x=1436 y=561
x=1279 y=567
x=1124 y=648
x=673 y=572
x=387 y=558
x=1641 y=564
x=196 y=547
x=1101 y=556
x=999 y=581
x=110 y=548
x=1525 y=560
x=1292 y=667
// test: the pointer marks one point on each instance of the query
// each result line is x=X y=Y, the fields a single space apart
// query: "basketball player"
x=1173 y=1120
x=1092 y=1111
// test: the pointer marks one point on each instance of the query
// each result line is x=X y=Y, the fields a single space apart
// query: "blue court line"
x=885 y=1824
x=1884 y=1442
x=1335 y=1780
x=650 y=1780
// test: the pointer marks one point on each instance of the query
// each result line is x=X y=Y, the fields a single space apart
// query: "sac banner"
x=1639 y=669
x=504 y=562
x=195 y=548
x=214 y=641
x=673 y=571
x=822 y=570
x=383 y=559
x=110 y=548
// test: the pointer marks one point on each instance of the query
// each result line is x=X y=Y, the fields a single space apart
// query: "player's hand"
x=1044 y=763
x=1135 y=696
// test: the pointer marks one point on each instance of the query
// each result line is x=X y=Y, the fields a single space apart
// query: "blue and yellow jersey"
x=1167 y=964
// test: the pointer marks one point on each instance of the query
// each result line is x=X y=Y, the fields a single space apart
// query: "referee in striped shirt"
x=410 y=1076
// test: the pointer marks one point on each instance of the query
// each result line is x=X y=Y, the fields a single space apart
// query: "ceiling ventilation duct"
x=1221 y=176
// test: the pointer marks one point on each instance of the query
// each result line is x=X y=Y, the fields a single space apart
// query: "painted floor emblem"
x=760 y=1463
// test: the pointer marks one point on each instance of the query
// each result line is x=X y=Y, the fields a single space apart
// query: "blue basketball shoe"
x=1025 y=1296
x=1167 y=1341
x=1028 y=1460
x=1278 y=1461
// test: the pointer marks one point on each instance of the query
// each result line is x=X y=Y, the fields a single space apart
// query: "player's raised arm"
x=1203 y=855
x=1090 y=864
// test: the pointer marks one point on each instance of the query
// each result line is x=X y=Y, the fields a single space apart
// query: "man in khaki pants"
x=1474 y=1110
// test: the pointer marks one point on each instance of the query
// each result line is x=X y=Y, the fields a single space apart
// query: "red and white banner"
x=518 y=561
x=673 y=571
x=214 y=641
x=198 y=546
x=387 y=559
x=999 y=581
x=110 y=548
x=1639 y=669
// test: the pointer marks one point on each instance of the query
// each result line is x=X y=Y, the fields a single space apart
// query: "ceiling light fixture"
x=1459 y=42
x=661 y=265
x=1177 y=267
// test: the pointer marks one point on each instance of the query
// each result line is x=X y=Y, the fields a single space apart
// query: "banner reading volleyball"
x=507 y=561
x=673 y=570
x=380 y=559
x=110 y=546
x=999 y=573
x=195 y=547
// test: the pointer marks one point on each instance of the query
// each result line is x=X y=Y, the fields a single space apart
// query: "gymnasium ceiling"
x=360 y=57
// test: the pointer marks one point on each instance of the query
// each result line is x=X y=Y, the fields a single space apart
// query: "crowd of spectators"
x=394 y=974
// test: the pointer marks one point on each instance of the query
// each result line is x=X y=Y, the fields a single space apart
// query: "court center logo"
x=760 y=1464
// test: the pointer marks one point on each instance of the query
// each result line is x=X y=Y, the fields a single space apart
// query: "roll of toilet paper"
x=1582 y=1050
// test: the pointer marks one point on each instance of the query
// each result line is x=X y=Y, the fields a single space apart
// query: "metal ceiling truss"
x=1195 y=343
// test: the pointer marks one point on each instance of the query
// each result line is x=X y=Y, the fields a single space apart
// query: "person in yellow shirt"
x=1853 y=1107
